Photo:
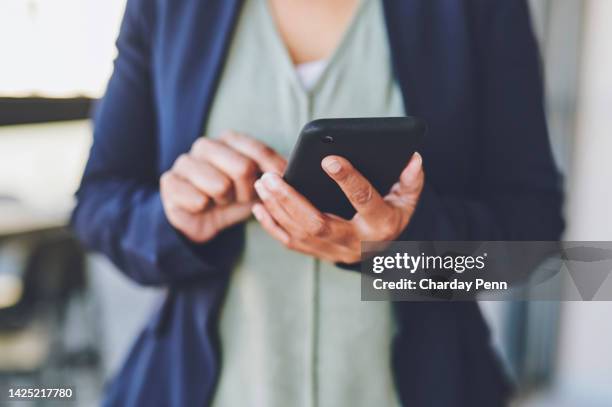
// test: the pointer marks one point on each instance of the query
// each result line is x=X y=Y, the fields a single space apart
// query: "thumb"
x=406 y=192
x=412 y=177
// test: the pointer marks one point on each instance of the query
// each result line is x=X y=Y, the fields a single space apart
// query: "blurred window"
x=57 y=48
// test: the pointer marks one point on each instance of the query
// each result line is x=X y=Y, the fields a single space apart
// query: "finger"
x=266 y=158
x=205 y=178
x=407 y=190
x=242 y=170
x=192 y=226
x=276 y=211
x=180 y=193
x=362 y=195
x=395 y=189
x=206 y=225
x=299 y=216
x=307 y=218
x=223 y=217
x=325 y=250
x=412 y=176
x=269 y=225
x=266 y=220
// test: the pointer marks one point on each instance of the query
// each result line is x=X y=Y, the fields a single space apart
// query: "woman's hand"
x=292 y=219
x=211 y=188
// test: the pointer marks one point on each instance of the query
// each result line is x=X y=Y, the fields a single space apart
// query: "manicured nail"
x=333 y=166
x=261 y=190
x=271 y=180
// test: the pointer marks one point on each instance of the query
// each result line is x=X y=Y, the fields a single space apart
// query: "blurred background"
x=68 y=318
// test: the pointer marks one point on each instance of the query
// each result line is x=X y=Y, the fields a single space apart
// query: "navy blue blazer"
x=469 y=67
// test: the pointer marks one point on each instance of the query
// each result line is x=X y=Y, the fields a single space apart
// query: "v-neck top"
x=293 y=329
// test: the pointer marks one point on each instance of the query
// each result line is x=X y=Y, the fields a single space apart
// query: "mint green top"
x=293 y=329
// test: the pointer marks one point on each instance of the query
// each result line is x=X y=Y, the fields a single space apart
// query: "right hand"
x=211 y=188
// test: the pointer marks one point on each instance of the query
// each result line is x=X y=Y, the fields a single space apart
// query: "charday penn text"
x=410 y=264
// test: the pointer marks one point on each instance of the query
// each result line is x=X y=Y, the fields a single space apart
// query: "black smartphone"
x=379 y=148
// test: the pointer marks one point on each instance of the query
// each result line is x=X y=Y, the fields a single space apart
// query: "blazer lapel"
x=191 y=66
x=405 y=24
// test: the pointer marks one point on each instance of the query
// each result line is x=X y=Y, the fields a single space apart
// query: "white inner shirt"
x=310 y=72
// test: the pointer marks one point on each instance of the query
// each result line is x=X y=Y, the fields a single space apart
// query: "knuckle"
x=343 y=175
x=229 y=135
x=319 y=227
x=262 y=150
x=301 y=235
x=182 y=161
x=199 y=204
x=282 y=196
x=362 y=195
x=396 y=188
x=201 y=146
x=222 y=187
x=246 y=169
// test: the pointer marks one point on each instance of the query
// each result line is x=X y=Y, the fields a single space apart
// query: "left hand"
x=290 y=218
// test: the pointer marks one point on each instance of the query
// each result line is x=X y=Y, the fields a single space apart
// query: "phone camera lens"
x=328 y=139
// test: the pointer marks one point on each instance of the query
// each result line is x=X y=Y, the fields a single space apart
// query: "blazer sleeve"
x=518 y=195
x=119 y=211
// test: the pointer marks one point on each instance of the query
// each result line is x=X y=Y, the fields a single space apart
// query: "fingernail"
x=333 y=166
x=261 y=190
x=256 y=209
x=271 y=180
x=418 y=158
